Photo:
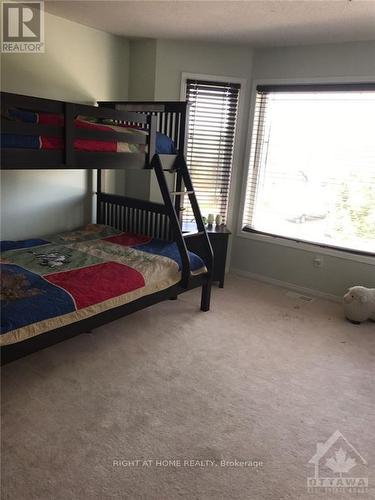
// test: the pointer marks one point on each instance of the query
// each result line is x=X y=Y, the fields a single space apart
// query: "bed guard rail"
x=60 y=124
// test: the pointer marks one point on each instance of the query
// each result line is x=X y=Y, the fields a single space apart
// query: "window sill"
x=307 y=247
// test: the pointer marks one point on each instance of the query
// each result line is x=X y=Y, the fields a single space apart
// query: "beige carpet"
x=263 y=376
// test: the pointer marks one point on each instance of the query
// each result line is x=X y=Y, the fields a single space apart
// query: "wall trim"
x=285 y=284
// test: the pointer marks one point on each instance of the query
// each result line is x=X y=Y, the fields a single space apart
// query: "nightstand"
x=219 y=236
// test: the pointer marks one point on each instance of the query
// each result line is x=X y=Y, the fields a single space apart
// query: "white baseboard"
x=285 y=284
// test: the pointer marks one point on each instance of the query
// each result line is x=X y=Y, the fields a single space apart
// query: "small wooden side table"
x=219 y=237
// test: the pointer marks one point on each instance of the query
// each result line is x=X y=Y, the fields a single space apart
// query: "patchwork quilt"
x=67 y=277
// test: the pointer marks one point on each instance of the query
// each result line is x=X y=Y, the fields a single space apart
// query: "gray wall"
x=228 y=60
x=174 y=57
x=142 y=70
x=351 y=61
x=355 y=59
x=82 y=65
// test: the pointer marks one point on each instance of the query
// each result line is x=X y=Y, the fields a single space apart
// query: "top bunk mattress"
x=51 y=282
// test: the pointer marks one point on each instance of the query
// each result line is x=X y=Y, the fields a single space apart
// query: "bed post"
x=99 y=215
x=184 y=121
x=206 y=296
x=151 y=139
x=69 y=134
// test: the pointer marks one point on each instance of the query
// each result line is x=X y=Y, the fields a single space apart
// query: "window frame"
x=286 y=241
x=235 y=171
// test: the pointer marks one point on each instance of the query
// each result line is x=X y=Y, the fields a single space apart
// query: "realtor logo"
x=22 y=27
x=338 y=468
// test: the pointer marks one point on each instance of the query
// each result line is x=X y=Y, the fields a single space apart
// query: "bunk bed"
x=135 y=254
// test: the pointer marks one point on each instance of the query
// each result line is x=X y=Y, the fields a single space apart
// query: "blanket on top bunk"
x=164 y=144
x=52 y=282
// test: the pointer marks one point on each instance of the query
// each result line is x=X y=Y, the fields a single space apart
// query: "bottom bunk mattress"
x=52 y=282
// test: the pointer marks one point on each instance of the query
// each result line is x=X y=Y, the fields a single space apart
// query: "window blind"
x=312 y=165
x=211 y=134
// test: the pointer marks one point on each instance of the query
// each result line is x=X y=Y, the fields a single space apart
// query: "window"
x=211 y=134
x=312 y=165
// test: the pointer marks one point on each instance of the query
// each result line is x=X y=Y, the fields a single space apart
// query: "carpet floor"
x=149 y=406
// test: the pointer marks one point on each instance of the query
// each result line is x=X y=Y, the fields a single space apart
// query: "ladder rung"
x=181 y=192
x=191 y=235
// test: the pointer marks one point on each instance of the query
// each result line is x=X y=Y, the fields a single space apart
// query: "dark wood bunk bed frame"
x=160 y=220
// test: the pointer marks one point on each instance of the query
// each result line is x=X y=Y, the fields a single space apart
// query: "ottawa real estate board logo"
x=338 y=468
x=22 y=27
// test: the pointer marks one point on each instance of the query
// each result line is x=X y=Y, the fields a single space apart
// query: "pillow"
x=164 y=145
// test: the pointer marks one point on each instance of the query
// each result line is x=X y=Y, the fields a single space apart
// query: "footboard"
x=133 y=215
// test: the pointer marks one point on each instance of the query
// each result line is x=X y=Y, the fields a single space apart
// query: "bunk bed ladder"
x=175 y=225
x=183 y=176
x=182 y=169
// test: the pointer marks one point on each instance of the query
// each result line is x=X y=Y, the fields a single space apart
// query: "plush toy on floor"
x=359 y=304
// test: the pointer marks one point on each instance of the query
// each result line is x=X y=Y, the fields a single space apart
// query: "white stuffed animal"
x=359 y=304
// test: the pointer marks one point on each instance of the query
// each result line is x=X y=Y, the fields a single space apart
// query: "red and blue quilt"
x=164 y=144
x=48 y=283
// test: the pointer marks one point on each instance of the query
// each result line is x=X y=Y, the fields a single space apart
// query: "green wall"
x=171 y=58
x=80 y=64
x=336 y=62
x=175 y=57
x=142 y=70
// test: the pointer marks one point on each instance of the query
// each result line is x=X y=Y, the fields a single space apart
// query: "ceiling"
x=260 y=23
